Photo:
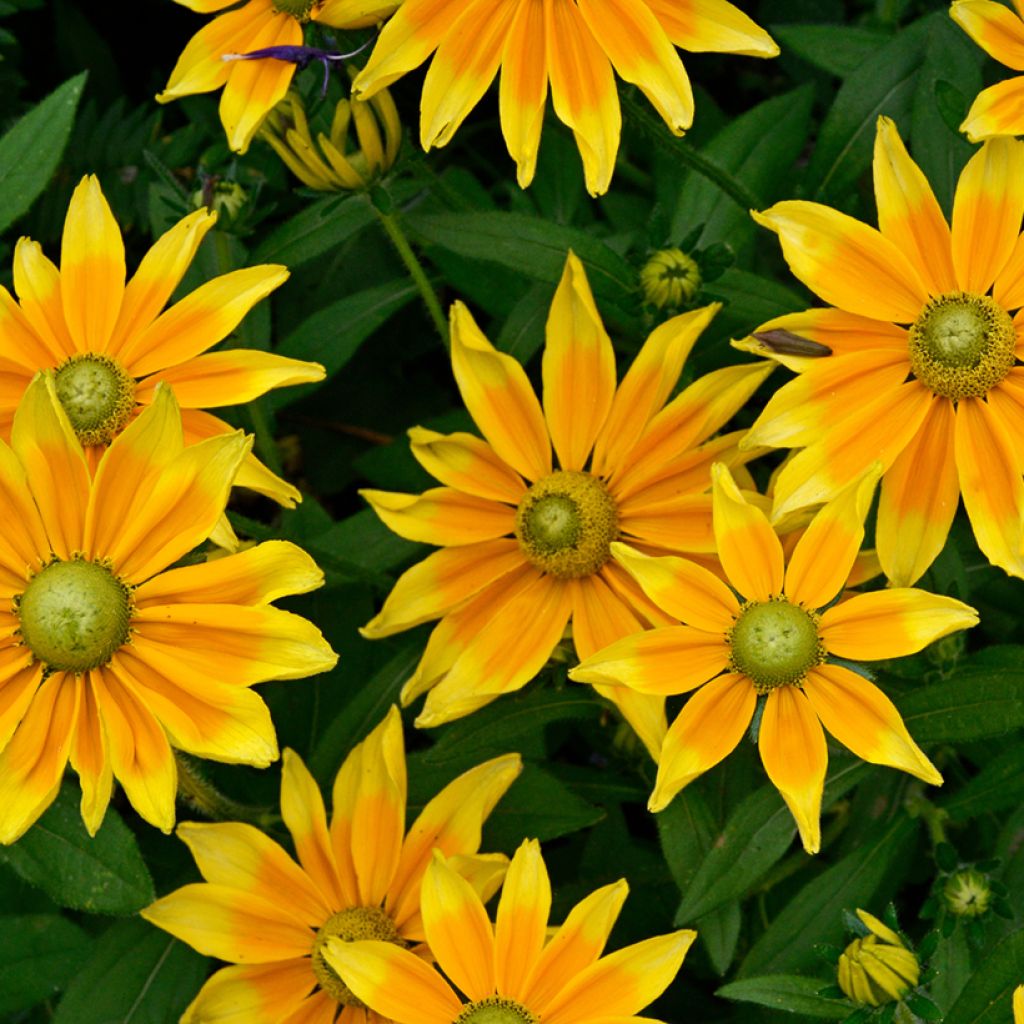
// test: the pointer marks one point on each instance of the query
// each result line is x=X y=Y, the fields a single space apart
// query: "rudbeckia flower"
x=253 y=87
x=877 y=968
x=357 y=878
x=525 y=541
x=511 y=972
x=778 y=641
x=924 y=377
x=110 y=344
x=573 y=45
x=999 y=31
x=107 y=657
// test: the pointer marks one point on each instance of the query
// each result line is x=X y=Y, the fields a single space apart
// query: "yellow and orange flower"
x=111 y=343
x=252 y=88
x=574 y=46
x=511 y=972
x=107 y=659
x=525 y=545
x=926 y=333
x=357 y=878
x=775 y=641
x=999 y=31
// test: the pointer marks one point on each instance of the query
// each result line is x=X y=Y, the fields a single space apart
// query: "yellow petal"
x=824 y=556
x=707 y=730
x=685 y=590
x=523 y=90
x=683 y=523
x=159 y=273
x=876 y=279
x=37 y=285
x=891 y=623
x=24 y=545
x=92 y=268
x=908 y=212
x=1018 y=1005
x=90 y=760
x=987 y=211
x=863 y=719
x=996 y=111
x=442 y=516
x=251 y=994
x=467 y=463
x=578 y=368
x=442 y=581
x=499 y=397
x=25 y=348
x=750 y=551
x=996 y=28
x=520 y=927
x=353 y=13
x=920 y=494
x=583 y=92
x=712 y=26
x=795 y=757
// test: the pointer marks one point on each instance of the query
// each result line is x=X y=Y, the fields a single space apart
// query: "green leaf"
x=814 y=915
x=38 y=954
x=104 y=874
x=320 y=227
x=986 y=998
x=998 y=785
x=31 y=149
x=137 y=974
x=836 y=49
x=883 y=84
x=756 y=835
x=758 y=148
x=786 y=992
x=720 y=933
x=974 y=704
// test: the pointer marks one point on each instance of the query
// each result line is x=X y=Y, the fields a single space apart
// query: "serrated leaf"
x=38 y=954
x=103 y=874
x=137 y=974
x=786 y=992
x=31 y=149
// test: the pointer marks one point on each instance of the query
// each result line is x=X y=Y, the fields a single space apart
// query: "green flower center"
x=566 y=523
x=74 y=615
x=98 y=396
x=495 y=1010
x=296 y=8
x=962 y=345
x=775 y=643
x=351 y=925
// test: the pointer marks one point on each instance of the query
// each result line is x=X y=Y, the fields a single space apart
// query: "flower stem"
x=201 y=795
x=680 y=149
x=394 y=231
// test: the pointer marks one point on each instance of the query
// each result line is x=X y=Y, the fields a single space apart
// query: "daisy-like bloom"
x=357 y=878
x=110 y=343
x=999 y=31
x=107 y=659
x=252 y=88
x=776 y=641
x=925 y=334
x=877 y=968
x=511 y=972
x=573 y=45
x=525 y=543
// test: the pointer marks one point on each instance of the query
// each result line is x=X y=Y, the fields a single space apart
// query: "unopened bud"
x=670 y=278
x=967 y=893
x=877 y=968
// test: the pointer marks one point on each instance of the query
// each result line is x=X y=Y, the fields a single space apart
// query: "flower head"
x=252 y=88
x=525 y=542
x=924 y=374
x=330 y=164
x=111 y=344
x=358 y=877
x=967 y=893
x=877 y=968
x=776 y=641
x=511 y=972
x=107 y=659
x=574 y=46
x=670 y=277
x=999 y=31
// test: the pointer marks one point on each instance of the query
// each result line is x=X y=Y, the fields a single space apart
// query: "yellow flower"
x=329 y=164
x=521 y=557
x=511 y=972
x=111 y=345
x=357 y=878
x=107 y=659
x=252 y=88
x=775 y=641
x=999 y=31
x=924 y=375
x=877 y=968
x=573 y=45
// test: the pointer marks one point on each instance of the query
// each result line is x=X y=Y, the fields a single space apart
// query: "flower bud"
x=877 y=968
x=226 y=198
x=967 y=893
x=670 y=278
